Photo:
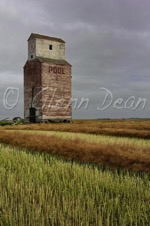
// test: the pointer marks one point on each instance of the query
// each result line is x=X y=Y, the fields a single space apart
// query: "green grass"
x=40 y=190
x=5 y=123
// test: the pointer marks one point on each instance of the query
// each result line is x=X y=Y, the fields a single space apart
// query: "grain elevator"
x=47 y=81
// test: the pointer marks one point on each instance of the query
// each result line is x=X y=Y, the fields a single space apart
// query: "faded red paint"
x=52 y=85
x=56 y=70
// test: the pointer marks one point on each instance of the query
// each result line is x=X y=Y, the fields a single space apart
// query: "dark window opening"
x=31 y=56
x=50 y=47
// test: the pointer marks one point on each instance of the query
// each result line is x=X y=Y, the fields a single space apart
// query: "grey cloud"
x=126 y=14
x=108 y=45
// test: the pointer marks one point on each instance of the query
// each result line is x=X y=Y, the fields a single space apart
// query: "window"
x=50 y=47
x=31 y=56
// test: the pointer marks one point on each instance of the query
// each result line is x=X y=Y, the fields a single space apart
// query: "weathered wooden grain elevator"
x=47 y=81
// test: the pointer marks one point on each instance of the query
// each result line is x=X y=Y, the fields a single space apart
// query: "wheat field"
x=125 y=153
x=40 y=190
x=88 y=173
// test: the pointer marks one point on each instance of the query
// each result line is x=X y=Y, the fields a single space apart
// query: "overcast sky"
x=107 y=43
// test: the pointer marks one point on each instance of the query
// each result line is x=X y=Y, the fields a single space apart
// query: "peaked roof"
x=53 y=61
x=49 y=61
x=45 y=37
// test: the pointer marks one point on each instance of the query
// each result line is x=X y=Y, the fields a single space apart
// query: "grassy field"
x=115 y=143
x=87 y=173
x=119 y=128
x=126 y=153
x=40 y=190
